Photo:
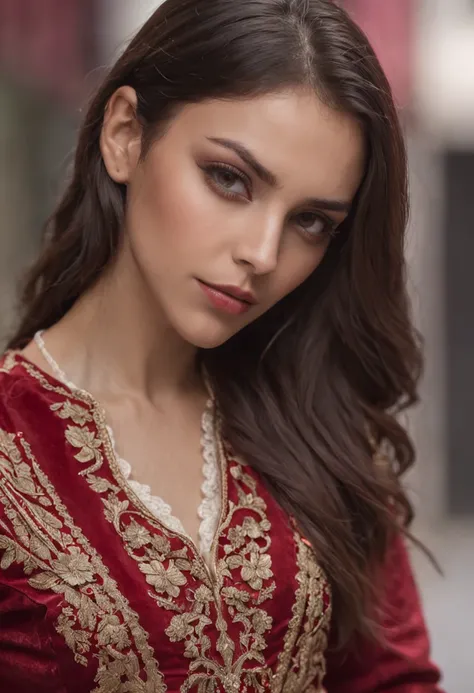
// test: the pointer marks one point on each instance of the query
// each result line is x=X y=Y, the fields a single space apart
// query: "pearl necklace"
x=59 y=374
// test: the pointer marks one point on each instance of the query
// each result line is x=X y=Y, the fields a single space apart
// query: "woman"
x=214 y=345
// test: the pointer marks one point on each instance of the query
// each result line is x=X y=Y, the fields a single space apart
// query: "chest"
x=163 y=456
x=132 y=605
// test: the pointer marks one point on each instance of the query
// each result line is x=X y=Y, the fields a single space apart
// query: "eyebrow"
x=270 y=178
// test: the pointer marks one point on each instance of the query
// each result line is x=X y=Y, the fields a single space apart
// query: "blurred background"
x=52 y=52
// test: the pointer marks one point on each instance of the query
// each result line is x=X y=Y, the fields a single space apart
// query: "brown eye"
x=308 y=219
x=228 y=181
x=312 y=223
x=315 y=225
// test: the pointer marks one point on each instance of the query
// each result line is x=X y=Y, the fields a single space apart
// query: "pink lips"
x=228 y=299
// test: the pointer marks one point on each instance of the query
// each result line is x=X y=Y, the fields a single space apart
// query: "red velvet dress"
x=97 y=595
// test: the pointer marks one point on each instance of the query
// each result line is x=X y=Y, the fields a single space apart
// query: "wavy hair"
x=312 y=388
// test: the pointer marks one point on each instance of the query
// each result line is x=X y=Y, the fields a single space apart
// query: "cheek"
x=173 y=210
x=297 y=263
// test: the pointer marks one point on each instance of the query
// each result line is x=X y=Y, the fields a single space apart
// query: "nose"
x=259 y=244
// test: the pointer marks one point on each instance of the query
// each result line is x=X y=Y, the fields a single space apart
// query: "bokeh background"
x=52 y=52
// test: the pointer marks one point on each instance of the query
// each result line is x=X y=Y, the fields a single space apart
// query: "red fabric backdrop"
x=47 y=43
x=390 y=26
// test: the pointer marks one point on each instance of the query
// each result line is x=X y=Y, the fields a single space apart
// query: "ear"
x=120 y=140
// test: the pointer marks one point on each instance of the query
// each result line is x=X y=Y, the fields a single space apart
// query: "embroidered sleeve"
x=47 y=554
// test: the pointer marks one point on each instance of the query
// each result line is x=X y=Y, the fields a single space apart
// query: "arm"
x=27 y=659
x=400 y=665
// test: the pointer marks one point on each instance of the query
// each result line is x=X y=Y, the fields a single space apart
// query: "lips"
x=228 y=299
x=235 y=292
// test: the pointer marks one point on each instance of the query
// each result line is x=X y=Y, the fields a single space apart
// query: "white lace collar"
x=210 y=507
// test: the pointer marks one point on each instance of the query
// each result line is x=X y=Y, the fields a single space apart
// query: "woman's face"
x=235 y=205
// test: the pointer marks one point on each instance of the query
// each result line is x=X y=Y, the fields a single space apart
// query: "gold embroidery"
x=181 y=583
x=168 y=572
x=246 y=561
x=67 y=410
x=96 y=620
x=301 y=664
x=9 y=362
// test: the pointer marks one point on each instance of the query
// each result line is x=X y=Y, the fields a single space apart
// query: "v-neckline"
x=114 y=467
x=113 y=460
x=213 y=473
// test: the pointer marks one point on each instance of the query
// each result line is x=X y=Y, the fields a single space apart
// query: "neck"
x=117 y=339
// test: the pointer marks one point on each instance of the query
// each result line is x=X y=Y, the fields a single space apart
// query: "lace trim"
x=156 y=505
x=210 y=508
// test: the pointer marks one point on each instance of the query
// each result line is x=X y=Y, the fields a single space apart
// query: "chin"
x=207 y=335
x=209 y=341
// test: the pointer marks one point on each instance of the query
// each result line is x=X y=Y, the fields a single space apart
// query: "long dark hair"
x=313 y=388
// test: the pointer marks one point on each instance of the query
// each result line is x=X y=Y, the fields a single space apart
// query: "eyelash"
x=330 y=226
x=219 y=167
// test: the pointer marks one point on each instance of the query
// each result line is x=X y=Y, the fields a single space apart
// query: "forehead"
x=304 y=142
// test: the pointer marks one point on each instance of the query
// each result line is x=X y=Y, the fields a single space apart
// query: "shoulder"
x=31 y=414
x=26 y=391
x=13 y=383
x=21 y=393
x=38 y=453
x=21 y=410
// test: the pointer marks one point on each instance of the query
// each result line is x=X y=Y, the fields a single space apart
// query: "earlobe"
x=120 y=139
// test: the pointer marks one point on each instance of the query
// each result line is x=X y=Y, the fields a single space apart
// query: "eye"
x=228 y=181
x=315 y=225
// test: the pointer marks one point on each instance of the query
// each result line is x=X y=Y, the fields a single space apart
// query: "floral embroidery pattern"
x=301 y=665
x=244 y=561
x=37 y=533
x=199 y=604
x=167 y=580
x=180 y=580
x=256 y=569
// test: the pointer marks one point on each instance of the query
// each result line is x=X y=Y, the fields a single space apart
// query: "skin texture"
x=187 y=220
x=195 y=210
